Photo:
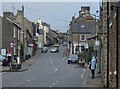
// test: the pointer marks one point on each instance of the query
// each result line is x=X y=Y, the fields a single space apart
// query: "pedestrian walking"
x=92 y=66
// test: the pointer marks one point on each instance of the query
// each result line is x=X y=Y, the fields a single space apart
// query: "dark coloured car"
x=73 y=58
x=65 y=44
x=44 y=50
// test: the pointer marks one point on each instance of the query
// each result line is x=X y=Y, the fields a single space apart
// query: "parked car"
x=64 y=43
x=1 y=60
x=73 y=58
x=56 y=45
x=54 y=50
x=4 y=61
x=44 y=50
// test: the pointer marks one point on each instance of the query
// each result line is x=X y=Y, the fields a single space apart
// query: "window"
x=18 y=34
x=83 y=37
x=14 y=32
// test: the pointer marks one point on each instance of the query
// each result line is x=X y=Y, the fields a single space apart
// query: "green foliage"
x=89 y=54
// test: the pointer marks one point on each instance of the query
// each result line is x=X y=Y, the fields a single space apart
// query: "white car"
x=44 y=50
x=54 y=50
x=1 y=59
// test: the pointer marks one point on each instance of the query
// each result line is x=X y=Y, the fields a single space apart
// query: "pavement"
x=96 y=82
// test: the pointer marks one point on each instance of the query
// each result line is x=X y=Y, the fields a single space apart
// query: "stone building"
x=110 y=44
x=81 y=29
x=10 y=38
x=27 y=31
x=104 y=44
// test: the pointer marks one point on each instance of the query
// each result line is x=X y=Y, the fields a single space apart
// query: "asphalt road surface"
x=49 y=70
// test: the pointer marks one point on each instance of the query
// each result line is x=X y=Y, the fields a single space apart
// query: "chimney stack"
x=86 y=10
x=73 y=18
x=8 y=14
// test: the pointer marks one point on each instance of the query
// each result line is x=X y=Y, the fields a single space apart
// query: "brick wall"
x=119 y=50
x=112 y=47
x=104 y=44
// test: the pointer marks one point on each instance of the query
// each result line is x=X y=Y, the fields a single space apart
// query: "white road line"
x=28 y=80
x=53 y=83
x=53 y=65
x=18 y=84
x=50 y=86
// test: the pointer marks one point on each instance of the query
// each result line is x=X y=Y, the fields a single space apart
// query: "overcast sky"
x=57 y=14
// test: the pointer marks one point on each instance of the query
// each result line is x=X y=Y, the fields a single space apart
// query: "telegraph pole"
x=107 y=44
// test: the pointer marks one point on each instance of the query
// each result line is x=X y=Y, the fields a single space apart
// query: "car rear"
x=73 y=58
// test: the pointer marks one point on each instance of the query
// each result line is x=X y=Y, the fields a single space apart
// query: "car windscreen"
x=73 y=56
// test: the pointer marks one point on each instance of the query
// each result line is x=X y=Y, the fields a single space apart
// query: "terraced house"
x=81 y=29
x=10 y=38
x=27 y=31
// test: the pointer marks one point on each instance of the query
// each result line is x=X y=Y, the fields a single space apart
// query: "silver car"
x=44 y=50
x=54 y=50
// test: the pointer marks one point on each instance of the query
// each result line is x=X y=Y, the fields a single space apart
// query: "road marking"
x=53 y=65
x=16 y=85
x=50 y=86
x=28 y=80
x=53 y=83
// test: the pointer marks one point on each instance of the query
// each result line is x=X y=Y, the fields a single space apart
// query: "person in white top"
x=93 y=64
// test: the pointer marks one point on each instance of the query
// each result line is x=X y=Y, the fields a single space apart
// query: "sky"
x=57 y=14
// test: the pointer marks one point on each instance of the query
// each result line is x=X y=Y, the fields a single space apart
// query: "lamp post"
x=72 y=23
x=78 y=40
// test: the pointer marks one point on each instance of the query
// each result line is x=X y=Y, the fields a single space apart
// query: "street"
x=49 y=70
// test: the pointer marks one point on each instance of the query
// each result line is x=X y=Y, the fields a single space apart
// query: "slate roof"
x=83 y=26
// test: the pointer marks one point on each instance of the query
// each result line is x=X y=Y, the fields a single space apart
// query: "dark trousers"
x=93 y=73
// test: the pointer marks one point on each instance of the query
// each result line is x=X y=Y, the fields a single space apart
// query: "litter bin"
x=16 y=66
x=27 y=57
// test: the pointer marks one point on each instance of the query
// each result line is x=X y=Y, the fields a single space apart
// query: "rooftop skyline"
x=57 y=14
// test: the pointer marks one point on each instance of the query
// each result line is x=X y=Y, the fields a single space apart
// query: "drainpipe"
x=117 y=24
x=107 y=44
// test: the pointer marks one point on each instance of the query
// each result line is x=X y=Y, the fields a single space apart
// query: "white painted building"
x=43 y=28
